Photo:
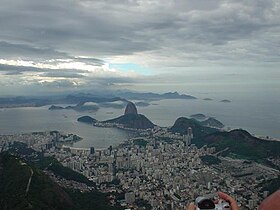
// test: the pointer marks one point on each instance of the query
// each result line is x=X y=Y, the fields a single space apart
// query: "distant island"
x=198 y=116
x=212 y=122
x=122 y=104
x=225 y=101
x=87 y=119
x=86 y=106
x=142 y=104
x=208 y=99
x=54 y=107
x=118 y=104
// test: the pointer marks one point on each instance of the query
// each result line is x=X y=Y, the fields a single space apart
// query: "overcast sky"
x=75 y=45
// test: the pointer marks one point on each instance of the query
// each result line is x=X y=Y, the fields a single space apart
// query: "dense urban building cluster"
x=161 y=174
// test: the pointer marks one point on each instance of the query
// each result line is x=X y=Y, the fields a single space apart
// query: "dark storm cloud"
x=63 y=74
x=90 y=61
x=23 y=51
x=28 y=52
x=63 y=83
x=64 y=77
x=67 y=26
x=44 y=72
x=163 y=35
x=88 y=84
x=111 y=27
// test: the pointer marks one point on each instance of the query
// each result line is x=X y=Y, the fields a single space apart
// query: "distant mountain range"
x=80 y=107
x=35 y=101
x=153 y=96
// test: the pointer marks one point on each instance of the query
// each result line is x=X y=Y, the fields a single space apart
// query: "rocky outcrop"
x=136 y=121
x=130 y=109
x=131 y=119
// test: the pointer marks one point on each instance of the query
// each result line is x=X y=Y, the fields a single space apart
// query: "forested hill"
x=42 y=193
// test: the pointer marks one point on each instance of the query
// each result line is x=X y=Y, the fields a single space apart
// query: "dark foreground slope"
x=43 y=194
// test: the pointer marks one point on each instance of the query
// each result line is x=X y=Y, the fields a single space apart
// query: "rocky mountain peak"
x=130 y=108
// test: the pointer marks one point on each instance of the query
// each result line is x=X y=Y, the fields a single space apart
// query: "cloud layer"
x=70 y=42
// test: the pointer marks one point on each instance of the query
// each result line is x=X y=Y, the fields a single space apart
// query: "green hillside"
x=242 y=143
x=43 y=194
x=182 y=124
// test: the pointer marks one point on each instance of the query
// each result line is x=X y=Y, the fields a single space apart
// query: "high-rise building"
x=92 y=150
x=251 y=204
x=129 y=197
x=190 y=133
x=265 y=194
x=188 y=138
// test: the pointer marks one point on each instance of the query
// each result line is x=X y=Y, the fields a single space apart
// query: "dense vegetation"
x=240 y=142
x=210 y=160
x=43 y=193
x=140 y=142
x=39 y=161
x=182 y=124
x=91 y=200
x=272 y=185
x=212 y=122
x=68 y=173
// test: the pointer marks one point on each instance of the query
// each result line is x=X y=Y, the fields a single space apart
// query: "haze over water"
x=254 y=111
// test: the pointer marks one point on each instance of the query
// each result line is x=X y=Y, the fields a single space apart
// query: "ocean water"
x=258 y=116
x=24 y=120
